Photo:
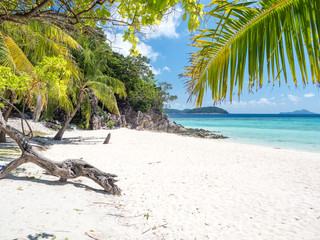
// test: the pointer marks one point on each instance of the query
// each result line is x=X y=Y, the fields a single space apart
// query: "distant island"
x=215 y=110
x=302 y=111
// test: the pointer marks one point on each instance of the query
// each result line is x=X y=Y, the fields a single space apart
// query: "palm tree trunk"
x=59 y=135
x=39 y=107
x=6 y=116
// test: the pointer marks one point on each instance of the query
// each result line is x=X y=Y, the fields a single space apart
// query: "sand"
x=174 y=187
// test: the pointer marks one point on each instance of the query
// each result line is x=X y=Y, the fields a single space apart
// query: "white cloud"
x=309 y=95
x=156 y=71
x=146 y=50
x=293 y=98
x=261 y=102
x=168 y=26
x=167 y=69
x=264 y=101
x=118 y=45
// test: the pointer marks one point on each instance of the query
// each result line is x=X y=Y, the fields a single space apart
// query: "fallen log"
x=68 y=169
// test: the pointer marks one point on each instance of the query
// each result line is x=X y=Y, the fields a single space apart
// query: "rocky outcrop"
x=97 y=119
x=155 y=120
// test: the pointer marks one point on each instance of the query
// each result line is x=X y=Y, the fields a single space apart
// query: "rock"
x=116 y=119
x=154 y=120
x=53 y=125
x=123 y=120
x=128 y=112
x=97 y=122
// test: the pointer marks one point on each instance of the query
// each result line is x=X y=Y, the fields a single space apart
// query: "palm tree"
x=23 y=46
x=93 y=80
x=250 y=35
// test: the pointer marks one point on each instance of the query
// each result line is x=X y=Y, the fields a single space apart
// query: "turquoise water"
x=284 y=131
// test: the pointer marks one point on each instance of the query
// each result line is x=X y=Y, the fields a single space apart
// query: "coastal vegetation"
x=215 y=110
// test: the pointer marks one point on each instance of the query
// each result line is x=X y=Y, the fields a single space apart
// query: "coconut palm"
x=24 y=46
x=93 y=79
x=250 y=36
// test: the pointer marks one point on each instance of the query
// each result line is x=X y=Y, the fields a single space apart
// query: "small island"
x=208 y=110
x=297 y=112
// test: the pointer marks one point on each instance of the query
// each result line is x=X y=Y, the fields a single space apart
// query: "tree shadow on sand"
x=9 y=151
x=56 y=183
x=47 y=141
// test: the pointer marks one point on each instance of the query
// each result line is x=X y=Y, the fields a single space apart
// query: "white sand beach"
x=173 y=187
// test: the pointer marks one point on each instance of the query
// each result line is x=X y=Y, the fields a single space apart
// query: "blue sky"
x=167 y=47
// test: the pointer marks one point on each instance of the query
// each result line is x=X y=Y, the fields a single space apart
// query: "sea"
x=301 y=132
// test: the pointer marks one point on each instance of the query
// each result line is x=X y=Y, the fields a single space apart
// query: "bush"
x=110 y=124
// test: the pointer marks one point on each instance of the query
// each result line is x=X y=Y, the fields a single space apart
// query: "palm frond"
x=54 y=33
x=250 y=39
x=114 y=84
x=86 y=110
x=105 y=95
x=15 y=55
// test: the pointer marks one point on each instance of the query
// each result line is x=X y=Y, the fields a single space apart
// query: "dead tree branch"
x=70 y=168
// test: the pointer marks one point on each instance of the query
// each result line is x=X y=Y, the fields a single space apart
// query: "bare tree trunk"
x=65 y=124
x=38 y=110
x=6 y=116
x=70 y=168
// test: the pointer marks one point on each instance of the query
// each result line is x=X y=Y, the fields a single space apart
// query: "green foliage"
x=9 y=80
x=24 y=46
x=248 y=37
x=86 y=111
x=143 y=92
x=206 y=110
x=197 y=110
x=110 y=124
x=146 y=216
x=53 y=72
x=134 y=15
x=54 y=76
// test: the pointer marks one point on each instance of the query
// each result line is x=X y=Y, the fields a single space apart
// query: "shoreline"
x=192 y=132
x=291 y=135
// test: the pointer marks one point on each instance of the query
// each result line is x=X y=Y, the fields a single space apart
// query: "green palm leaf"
x=86 y=110
x=275 y=34
x=14 y=56
x=114 y=84
x=105 y=95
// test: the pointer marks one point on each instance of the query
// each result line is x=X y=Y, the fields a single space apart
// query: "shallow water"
x=285 y=131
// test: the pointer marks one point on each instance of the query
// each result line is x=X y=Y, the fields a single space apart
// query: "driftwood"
x=70 y=168
x=107 y=140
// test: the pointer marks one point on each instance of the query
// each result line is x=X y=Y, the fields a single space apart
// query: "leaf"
x=78 y=210
x=184 y=17
x=247 y=34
